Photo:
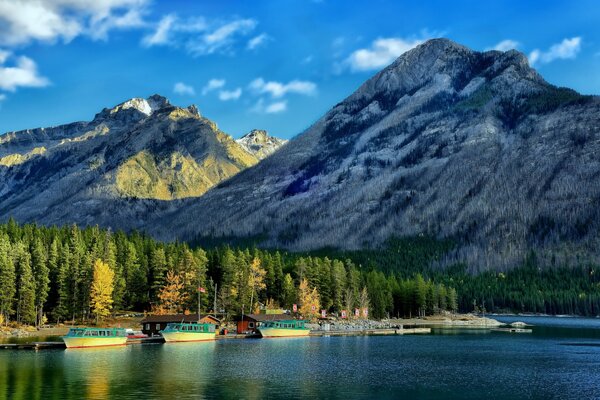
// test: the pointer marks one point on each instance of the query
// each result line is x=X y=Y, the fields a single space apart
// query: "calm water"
x=560 y=360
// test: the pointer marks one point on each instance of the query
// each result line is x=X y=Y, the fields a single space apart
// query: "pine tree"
x=62 y=309
x=102 y=290
x=25 y=285
x=288 y=296
x=41 y=274
x=452 y=300
x=8 y=284
x=338 y=284
x=158 y=266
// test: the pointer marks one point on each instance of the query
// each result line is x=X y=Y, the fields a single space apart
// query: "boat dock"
x=158 y=339
x=373 y=332
x=32 y=346
x=512 y=330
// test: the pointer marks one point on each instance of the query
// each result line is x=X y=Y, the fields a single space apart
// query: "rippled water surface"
x=559 y=360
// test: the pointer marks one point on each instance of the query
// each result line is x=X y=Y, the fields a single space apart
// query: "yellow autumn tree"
x=309 y=301
x=172 y=296
x=102 y=289
x=256 y=279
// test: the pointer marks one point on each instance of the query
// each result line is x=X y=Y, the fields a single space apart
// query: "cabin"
x=153 y=324
x=249 y=322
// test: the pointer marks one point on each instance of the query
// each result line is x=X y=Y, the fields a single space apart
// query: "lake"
x=559 y=360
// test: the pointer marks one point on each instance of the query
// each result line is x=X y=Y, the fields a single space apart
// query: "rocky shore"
x=456 y=320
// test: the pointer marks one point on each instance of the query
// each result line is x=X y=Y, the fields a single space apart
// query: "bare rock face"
x=445 y=141
x=115 y=169
x=258 y=143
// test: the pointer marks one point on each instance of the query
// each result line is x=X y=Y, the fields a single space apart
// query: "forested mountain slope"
x=446 y=142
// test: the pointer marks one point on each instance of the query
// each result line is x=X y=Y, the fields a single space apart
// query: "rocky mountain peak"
x=441 y=65
x=259 y=143
x=135 y=109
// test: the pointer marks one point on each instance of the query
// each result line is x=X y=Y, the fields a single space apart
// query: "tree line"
x=69 y=273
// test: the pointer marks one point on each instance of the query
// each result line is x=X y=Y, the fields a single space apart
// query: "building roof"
x=176 y=318
x=266 y=317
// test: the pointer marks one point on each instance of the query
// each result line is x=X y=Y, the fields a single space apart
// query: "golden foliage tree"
x=309 y=300
x=172 y=296
x=363 y=302
x=102 y=289
x=256 y=279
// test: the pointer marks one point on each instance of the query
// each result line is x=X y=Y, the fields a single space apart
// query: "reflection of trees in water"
x=182 y=365
x=91 y=373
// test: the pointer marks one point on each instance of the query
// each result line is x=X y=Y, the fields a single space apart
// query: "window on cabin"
x=147 y=327
x=157 y=327
x=250 y=324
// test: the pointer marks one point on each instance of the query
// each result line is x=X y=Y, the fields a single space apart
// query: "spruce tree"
x=8 y=284
x=41 y=274
x=25 y=285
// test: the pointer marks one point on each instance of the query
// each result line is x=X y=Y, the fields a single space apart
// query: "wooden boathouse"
x=248 y=323
x=153 y=324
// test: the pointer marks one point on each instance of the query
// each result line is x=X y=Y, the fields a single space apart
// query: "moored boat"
x=286 y=328
x=188 y=332
x=95 y=337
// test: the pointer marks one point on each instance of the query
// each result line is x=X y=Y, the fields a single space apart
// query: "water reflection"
x=496 y=365
x=177 y=365
x=92 y=372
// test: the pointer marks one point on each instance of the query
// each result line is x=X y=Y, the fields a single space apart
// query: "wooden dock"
x=158 y=339
x=32 y=346
x=512 y=330
x=373 y=332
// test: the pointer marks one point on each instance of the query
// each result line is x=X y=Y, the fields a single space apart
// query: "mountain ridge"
x=433 y=144
x=130 y=155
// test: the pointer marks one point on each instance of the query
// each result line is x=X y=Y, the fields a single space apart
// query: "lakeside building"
x=153 y=324
x=248 y=323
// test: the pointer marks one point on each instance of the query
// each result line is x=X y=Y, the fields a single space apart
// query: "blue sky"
x=275 y=65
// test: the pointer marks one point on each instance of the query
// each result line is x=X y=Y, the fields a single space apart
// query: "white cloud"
x=213 y=84
x=220 y=39
x=567 y=49
x=2 y=97
x=278 y=89
x=172 y=30
x=24 y=21
x=4 y=56
x=199 y=36
x=271 y=108
x=505 y=45
x=381 y=53
x=258 y=41
x=183 y=89
x=162 y=34
x=225 y=95
x=22 y=74
x=277 y=107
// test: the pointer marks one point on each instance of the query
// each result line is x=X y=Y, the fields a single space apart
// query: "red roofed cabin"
x=250 y=322
x=153 y=324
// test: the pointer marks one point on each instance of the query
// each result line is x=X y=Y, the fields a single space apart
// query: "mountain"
x=445 y=142
x=115 y=169
x=258 y=143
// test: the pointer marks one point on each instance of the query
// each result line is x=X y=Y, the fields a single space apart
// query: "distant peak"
x=145 y=106
x=256 y=133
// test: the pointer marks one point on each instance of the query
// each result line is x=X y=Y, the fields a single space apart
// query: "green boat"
x=285 y=328
x=188 y=332
x=95 y=337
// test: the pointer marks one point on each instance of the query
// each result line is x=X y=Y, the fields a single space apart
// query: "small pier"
x=373 y=332
x=32 y=346
x=512 y=330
